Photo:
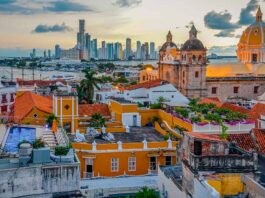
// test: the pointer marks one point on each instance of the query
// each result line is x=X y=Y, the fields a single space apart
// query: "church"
x=187 y=69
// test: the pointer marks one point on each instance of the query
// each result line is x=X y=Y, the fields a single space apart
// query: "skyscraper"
x=103 y=44
x=57 y=51
x=110 y=51
x=45 y=54
x=146 y=50
x=87 y=43
x=81 y=35
x=94 y=48
x=128 y=48
x=49 y=53
x=152 y=50
x=138 y=50
x=117 y=51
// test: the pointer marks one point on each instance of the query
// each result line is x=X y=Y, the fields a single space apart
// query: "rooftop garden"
x=208 y=113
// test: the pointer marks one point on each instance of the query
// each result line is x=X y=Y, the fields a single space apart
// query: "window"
x=256 y=89
x=200 y=58
x=214 y=90
x=254 y=58
x=183 y=74
x=196 y=74
x=168 y=160
x=236 y=90
x=143 y=78
x=172 y=96
x=35 y=115
x=114 y=164
x=132 y=164
x=152 y=163
x=194 y=58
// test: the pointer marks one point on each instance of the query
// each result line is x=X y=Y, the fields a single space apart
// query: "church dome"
x=168 y=43
x=193 y=43
x=254 y=35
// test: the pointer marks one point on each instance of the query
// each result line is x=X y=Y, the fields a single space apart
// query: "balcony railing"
x=246 y=162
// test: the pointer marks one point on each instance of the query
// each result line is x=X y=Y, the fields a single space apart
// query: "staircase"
x=49 y=138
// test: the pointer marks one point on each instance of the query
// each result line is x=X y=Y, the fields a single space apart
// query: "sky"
x=40 y=24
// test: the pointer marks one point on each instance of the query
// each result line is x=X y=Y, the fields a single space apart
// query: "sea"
x=5 y=71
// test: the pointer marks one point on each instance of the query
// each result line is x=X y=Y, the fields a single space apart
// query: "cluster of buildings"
x=87 y=48
x=148 y=134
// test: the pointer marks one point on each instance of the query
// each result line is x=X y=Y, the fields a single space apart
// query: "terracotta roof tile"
x=90 y=109
x=235 y=108
x=213 y=100
x=260 y=140
x=147 y=85
x=243 y=141
x=27 y=101
x=203 y=136
x=256 y=111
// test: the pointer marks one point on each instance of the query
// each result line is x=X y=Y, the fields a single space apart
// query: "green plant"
x=140 y=104
x=50 y=119
x=213 y=117
x=182 y=112
x=38 y=143
x=196 y=119
x=155 y=106
x=146 y=193
x=61 y=150
x=224 y=134
x=161 y=99
x=97 y=121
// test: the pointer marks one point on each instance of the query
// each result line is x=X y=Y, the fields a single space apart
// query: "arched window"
x=143 y=78
x=199 y=58
x=194 y=58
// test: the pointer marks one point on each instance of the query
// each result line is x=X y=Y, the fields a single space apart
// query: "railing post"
x=145 y=144
x=169 y=145
x=119 y=145
x=94 y=146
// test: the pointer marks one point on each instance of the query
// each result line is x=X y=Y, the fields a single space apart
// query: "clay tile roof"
x=39 y=82
x=260 y=140
x=90 y=109
x=203 y=136
x=256 y=111
x=243 y=141
x=213 y=100
x=235 y=108
x=146 y=85
x=26 y=102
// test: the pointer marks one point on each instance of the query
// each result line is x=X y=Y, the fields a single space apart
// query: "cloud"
x=54 y=28
x=66 y=6
x=127 y=3
x=223 y=50
x=24 y=7
x=246 y=16
x=225 y=33
x=219 y=21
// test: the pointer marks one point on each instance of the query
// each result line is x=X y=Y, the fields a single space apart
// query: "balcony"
x=226 y=163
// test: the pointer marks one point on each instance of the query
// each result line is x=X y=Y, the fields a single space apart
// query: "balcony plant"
x=38 y=143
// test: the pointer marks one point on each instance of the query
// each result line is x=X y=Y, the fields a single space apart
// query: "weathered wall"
x=38 y=180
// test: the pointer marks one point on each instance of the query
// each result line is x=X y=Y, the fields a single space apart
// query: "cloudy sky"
x=27 y=24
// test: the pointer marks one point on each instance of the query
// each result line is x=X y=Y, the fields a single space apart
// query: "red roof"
x=147 y=85
x=26 y=102
x=256 y=111
x=213 y=100
x=39 y=82
x=203 y=136
x=90 y=109
x=235 y=108
x=255 y=140
x=260 y=139
x=243 y=141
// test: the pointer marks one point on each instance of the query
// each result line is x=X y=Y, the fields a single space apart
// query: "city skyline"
x=43 y=24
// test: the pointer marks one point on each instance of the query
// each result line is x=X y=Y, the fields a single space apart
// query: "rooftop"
x=136 y=134
x=174 y=173
x=90 y=109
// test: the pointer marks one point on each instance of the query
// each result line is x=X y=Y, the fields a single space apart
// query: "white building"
x=7 y=98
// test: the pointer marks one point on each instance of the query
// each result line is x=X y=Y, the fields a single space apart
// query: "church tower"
x=192 y=69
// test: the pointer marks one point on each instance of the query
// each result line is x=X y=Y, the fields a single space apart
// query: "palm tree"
x=146 y=193
x=97 y=120
x=87 y=85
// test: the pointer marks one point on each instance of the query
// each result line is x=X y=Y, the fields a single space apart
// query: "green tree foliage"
x=38 y=143
x=97 y=121
x=61 y=150
x=50 y=119
x=86 y=88
x=182 y=112
x=146 y=193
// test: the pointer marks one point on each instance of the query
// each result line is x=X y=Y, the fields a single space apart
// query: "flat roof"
x=136 y=134
x=120 y=182
x=174 y=173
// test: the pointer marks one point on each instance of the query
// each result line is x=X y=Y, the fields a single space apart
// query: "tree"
x=97 y=121
x=87 y=85
x=146 y=193
x=50 y=119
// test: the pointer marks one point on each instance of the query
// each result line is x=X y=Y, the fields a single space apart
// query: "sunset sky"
x=40 y=24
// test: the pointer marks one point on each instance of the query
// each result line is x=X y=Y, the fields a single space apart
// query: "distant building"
x=117 y=51
x=138 y=50
x=152 y=50
x=57 y=51
x=87 y=43
x=94 y=49
x=33 y=53
x=128 y=48
x=110 y=51
x=49 y=53
x=45 y=54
